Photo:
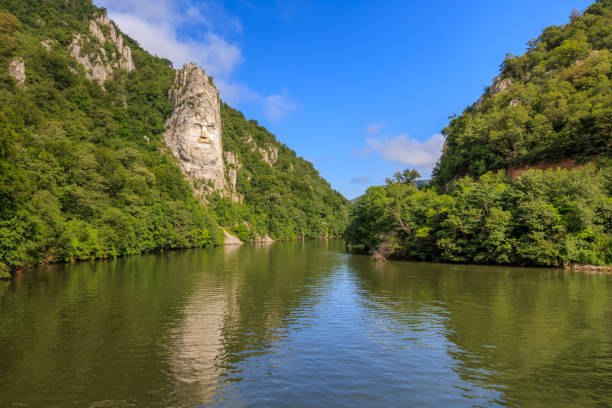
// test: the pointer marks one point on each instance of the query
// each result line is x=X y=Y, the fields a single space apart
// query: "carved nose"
x=203 y=137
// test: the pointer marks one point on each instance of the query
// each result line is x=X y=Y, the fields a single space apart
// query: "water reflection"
x=302 y=324
x=536 y=335
x=240 y=312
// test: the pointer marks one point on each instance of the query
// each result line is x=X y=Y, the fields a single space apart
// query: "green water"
x=303 y=324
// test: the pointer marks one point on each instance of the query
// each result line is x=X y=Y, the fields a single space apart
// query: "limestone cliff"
x=232 y=165
x=100 y=64
x=498 y=86
x=193 y=132
x=17 y=71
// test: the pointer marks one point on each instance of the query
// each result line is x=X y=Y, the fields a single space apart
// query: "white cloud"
x=233 y=92
x=409 y=152
x=277 y=106
x=156 y=25
x=217 y=56
x=375 y=128
x=159 y=27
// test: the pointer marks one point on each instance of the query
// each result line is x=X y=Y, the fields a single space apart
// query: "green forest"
x=557 y=104
x=84 y=171
x=288 y=200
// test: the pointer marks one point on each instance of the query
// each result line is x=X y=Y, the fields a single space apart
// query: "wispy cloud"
x=195 y=31
x=409 y=152
x=277 y=106
x=217 y=56
x=375 y=128
x=360 y=180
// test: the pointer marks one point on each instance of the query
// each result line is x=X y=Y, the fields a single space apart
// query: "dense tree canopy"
x=84 y=172
x=555 y=103
x=552 y=103
x=286 y=200
x=546 y=218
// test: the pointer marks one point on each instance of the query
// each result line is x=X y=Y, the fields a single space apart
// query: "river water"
x=303 y=324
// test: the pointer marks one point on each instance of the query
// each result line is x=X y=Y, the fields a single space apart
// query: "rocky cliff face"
x=100 y=64
x=193 y=132
x=17 y=71
x=498 y=86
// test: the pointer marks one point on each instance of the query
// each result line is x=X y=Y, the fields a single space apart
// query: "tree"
x=407 y=176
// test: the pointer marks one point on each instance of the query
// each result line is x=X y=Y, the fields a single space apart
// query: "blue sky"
x=360 y=88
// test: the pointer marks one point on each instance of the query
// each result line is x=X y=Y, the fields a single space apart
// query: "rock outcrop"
x=230 y=239
x=264 y=240
x=193 y=132
x=232 y=168
x=232 y=165
x=498 y=86
x=269 y=156
x=48 y=44
x=99 y=65
x=17 y=71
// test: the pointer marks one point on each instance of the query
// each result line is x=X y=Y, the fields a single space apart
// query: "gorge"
x=160 y=249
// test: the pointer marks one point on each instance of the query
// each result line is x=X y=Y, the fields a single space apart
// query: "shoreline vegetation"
x=360 y=249
x=7 y=273
x=85 y=172
x=549 y=218
x=525 y=175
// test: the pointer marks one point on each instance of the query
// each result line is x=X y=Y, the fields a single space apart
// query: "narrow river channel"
x=303 y=324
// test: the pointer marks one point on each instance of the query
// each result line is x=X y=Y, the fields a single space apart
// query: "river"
x=302 y=324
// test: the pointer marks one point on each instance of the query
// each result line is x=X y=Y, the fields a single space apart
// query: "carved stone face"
x=201 y=134
x=194 y=129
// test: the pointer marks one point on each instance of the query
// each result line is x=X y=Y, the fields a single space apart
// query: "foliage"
x=78 y=178
x=84 y=172
x=558 y=104
x=546 y=218
x=406 y=177
x=285 y=198
x=550 y=104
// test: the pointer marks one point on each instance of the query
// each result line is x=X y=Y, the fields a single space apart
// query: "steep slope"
x=498 y=195
x=193 y=132
x=552 y=103
x=275 y=192
x=95 y=141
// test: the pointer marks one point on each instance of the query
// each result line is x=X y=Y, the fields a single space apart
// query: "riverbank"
x=7 y=273
x=605 y=269
x=360 y=249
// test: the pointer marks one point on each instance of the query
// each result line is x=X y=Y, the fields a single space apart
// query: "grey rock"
x=17 y=70
x=499 y=85
x=230 y=239
x=193 y=132
x=100 y=66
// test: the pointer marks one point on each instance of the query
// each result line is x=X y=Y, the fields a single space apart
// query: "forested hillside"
x=282 y=195
x=553 y=103
x=84 y=171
